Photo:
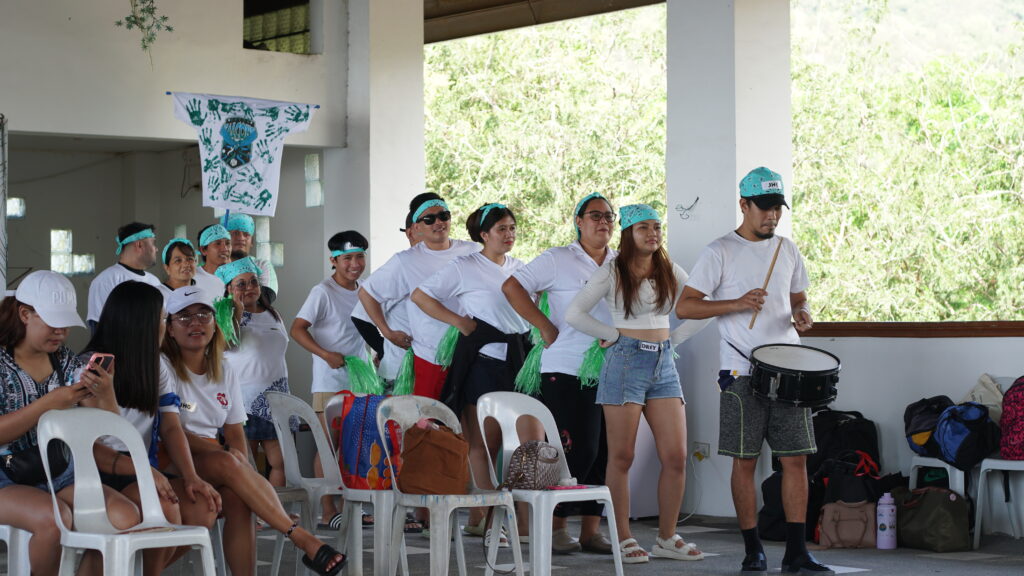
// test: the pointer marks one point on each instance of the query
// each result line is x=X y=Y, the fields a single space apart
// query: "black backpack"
x=837 y=432
x=919 y=421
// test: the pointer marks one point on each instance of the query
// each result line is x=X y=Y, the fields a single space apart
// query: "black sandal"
x=323 y=558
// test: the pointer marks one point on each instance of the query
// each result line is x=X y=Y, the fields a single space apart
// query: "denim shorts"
x=636 y=371
x=257 y=428
x=61 y=482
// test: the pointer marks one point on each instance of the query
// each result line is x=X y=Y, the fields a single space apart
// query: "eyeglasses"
x=186 y=319
x=429 y=219
x=596 y=216
x=243 y=284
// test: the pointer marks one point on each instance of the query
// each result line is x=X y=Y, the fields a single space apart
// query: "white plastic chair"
x=350 y=535
x=506 y=408
x=1015 y=508
x=79 y=428
x=406 y=411
x=17 y=550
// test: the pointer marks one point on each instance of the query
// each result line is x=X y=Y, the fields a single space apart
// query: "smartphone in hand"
x=105 y=361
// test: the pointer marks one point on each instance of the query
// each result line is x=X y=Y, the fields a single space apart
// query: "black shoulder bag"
x=25 y=466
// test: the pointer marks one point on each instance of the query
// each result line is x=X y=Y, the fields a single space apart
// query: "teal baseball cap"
x=764 y=188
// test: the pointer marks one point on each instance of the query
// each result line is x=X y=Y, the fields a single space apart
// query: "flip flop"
x=412 y=525
x=333 y=524
x=322 y=558
x=668 y=549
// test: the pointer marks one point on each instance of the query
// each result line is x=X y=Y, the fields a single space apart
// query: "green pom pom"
x=593 y=361
x=446 y=347
x=545 y=309
x=362 y=378
x=224 y=312
x=406 y=375
x=528 y=379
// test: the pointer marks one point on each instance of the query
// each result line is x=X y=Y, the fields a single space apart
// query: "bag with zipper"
x=935 y=519
x=534 y=465
x=361 y=454
x=435 y=460
x=847 y=525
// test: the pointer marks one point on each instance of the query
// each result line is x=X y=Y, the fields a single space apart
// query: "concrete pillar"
x=384 y=161
x=728 y=112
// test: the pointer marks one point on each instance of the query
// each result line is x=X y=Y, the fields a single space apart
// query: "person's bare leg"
x=621 y=422
x=154 y=560
x=744 y=497
x=478 y=456
x=272 y=448
x=28 y=508
x=121 y=512
x=196 y=513
x=667 y=418
x=794 y=487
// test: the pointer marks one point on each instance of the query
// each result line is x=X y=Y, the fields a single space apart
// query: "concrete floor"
x=723 y=548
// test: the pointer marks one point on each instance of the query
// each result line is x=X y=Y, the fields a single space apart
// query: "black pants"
x=580 y=424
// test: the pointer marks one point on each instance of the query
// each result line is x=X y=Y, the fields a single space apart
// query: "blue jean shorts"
x=636 y=371
x=67 y=478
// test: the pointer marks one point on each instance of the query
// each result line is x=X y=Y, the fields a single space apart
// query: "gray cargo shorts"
x=746 y=421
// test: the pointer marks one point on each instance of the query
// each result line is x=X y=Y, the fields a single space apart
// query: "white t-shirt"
x=562 y=272
x=329 y=309
x=407 y=270
x=476 y=281
x=205 y=406
x=107 y=280
x=143 y=422
x=730 y=267
x=258 y=361
x=398 y=319
x=209 y=283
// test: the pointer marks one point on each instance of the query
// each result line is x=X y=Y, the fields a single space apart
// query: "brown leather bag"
x=435 y=460
x=844 y=525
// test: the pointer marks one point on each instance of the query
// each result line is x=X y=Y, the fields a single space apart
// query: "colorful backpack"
x=1011 y=424
x=919 y=421
x=966 y=435
x=361 y=454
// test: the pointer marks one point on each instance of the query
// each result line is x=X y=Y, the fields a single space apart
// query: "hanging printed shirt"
x=240 y=145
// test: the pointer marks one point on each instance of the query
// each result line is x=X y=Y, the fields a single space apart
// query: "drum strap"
x=736 y=349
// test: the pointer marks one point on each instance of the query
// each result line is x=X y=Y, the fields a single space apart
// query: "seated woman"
x=192 y=366
x=38 y=374
x=131 y=329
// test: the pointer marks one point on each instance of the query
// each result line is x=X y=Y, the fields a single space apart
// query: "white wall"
x=66 y=69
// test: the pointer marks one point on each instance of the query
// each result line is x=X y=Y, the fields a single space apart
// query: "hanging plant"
x=145 y=19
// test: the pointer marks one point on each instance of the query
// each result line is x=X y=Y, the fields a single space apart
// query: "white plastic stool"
x=957 y=479
x=17 y=550
x=988 y=465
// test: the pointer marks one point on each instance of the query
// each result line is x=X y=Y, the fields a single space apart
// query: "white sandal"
x=631 y=546
x=668 y=549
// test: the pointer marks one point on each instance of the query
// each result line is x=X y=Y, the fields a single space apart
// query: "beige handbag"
x=987 y=393
x=847 y=525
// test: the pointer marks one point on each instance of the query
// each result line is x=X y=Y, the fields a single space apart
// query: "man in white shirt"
x=215 y=249
x=729 y=273
x=136 y=251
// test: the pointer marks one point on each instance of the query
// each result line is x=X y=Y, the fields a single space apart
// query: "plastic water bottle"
x=885 y=536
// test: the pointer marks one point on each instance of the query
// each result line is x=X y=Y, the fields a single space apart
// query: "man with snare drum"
x=754 y=282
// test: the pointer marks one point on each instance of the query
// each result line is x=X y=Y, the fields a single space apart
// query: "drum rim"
x=755 y=362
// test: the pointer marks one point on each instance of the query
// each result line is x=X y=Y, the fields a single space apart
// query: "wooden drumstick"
x=766 y=280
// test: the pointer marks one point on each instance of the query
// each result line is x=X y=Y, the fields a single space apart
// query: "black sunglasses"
x=429 y=219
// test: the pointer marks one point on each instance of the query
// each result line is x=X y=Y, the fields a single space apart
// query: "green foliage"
x=908 y=183
x=144 y=18
x=539 y=117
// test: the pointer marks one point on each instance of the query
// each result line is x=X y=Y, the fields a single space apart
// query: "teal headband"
x=163 y=255
x=212 y=234
x=229 y=271
x=629 y=215
x=242 y=222
x=581 y=204
x=425 y=206
x=347 y=248
x=140 y=235
x=487 y=208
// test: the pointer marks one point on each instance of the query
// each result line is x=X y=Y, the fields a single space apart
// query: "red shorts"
x=429 y=378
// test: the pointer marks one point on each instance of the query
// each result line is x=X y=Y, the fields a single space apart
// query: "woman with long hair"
x=641 y=287
x=211 y=401
x=38 y=373
x=258 y=360
x=131 y=328
x=496 y=334
x=179 y=259
x=560 y=272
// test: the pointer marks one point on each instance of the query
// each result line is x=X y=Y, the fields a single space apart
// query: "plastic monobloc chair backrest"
x=506 y=408
x=332 y=411
x=282 y=408
x=79 y=428
x=405 y=411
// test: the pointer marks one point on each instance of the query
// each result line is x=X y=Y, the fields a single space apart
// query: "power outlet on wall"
x=700 y=450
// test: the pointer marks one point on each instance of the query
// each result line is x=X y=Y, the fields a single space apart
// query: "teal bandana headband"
x=163 y=255
x=242 y=222
x=427 y=205
x=140 y=235
x=212 y=234
x=229 y=271
x=346 y=248
x=634 y=213
x=487 y=208
x=581 y=204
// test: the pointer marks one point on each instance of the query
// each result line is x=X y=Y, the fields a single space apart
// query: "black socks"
x=796 y=541
x=752 y=541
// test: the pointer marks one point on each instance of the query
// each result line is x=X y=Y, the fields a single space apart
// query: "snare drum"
x=794 y=374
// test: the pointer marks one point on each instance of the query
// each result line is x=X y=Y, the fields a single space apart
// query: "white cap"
x=186 y=296
x=53 y=297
